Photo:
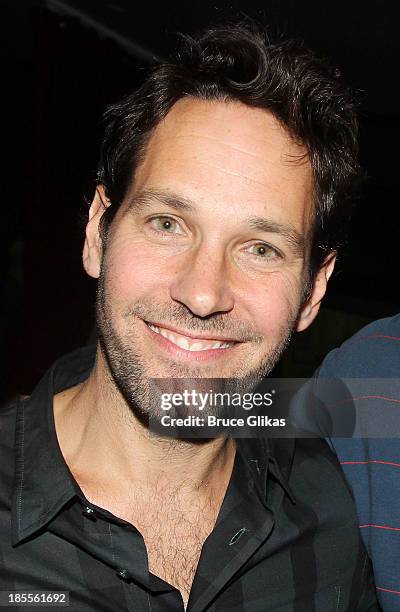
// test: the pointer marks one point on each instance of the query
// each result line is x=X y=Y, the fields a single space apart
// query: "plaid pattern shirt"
x=286 y=538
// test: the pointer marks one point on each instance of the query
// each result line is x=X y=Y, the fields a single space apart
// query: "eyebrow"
x=287 y=231
x=148 y=197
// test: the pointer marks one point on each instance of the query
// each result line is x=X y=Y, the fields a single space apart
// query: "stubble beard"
x=135 y=380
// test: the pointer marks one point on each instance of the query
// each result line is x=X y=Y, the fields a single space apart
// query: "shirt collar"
x=268 y=455
x=43 y=483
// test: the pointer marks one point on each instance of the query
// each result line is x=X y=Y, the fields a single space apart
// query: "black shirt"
x=286 y=538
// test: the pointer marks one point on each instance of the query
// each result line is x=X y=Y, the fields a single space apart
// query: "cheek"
x=135 y=268
x=274 y=304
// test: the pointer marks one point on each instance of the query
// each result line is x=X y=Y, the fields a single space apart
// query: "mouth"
x=189 y=343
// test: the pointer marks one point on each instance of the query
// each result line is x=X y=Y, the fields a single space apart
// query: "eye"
x=166 y=225
x=264 y=251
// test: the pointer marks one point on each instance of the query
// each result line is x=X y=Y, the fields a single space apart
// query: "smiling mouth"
x=190 y=344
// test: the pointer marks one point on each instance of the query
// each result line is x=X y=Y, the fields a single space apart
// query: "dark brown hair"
x=237 y=62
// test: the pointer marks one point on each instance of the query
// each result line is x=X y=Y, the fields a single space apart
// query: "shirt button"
x=89 y=512
x=123 y=574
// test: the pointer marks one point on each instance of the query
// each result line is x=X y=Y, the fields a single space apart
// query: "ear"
x=310 y=308
x=92 y=250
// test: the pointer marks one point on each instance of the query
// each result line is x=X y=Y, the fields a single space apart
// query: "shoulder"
x=8 y=417
x=8 y=414
x=316 y=462
x=322 y=493
x=312 y=469
x=373 y=351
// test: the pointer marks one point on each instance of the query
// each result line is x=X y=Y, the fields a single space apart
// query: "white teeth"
x=189 y=345
x=182 y=342
x=197 y=346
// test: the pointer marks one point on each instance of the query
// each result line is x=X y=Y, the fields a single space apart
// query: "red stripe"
x=388 y=590
x=380 y=527
x=382 y=397
x=363 y=397
x=380 y=336
x=370 y=461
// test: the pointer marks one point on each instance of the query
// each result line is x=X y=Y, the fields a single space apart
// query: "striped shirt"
x=372 y=464
x=286 y=537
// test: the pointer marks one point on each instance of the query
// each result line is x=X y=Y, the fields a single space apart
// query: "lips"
x=187 y=343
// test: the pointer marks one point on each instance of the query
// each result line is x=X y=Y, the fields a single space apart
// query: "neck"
x=94 y=420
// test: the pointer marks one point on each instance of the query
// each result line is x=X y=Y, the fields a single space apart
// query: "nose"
x=202 y=284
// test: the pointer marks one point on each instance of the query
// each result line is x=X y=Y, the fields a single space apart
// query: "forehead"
x=227 y=152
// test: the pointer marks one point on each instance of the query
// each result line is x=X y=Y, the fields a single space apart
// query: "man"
x=369 y=365
x=223 y=188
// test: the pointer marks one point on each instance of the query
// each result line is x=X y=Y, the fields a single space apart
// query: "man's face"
x=206 y=259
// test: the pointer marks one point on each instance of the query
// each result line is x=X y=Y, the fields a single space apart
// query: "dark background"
x=64 y=61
